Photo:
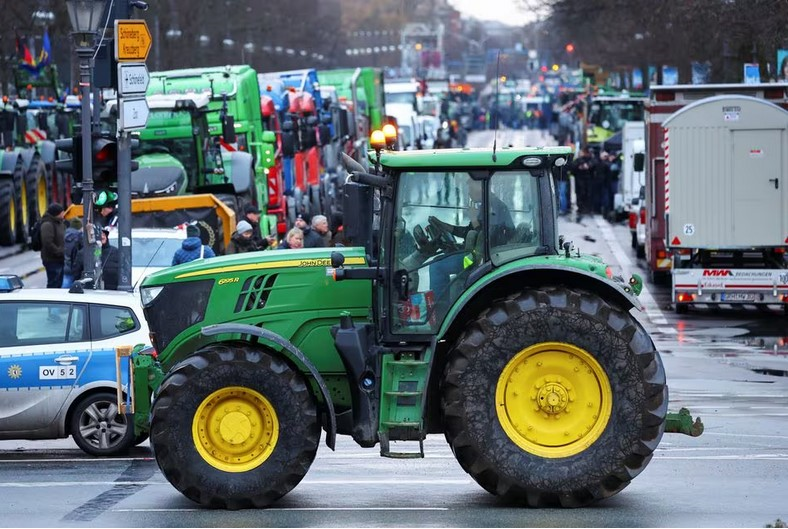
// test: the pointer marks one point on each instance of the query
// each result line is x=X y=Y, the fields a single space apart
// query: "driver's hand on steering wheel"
x=438 y=223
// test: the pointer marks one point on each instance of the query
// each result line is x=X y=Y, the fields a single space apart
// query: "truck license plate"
x=737 y=296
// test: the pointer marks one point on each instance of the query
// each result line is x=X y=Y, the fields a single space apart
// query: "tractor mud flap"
x=292 y=353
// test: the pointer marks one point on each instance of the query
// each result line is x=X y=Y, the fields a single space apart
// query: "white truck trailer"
x=632 y=179
x=726 y=204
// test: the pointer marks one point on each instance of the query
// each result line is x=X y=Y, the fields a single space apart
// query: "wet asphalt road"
x=727 y=366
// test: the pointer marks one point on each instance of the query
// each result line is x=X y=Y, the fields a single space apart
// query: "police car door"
x=111 y=326
x=44 y=347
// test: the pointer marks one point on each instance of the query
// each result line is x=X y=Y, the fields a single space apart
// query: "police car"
x=57 y=364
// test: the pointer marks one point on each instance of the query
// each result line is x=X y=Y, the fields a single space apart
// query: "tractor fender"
x=240 y=171
x=502 y=282
x=46 y=149
x=292 y=353
x=27 y=158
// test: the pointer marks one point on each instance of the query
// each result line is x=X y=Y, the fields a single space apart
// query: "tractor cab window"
x=438 y=240
x=515 y=222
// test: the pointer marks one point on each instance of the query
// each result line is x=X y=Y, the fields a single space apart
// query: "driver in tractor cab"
x=439 y=236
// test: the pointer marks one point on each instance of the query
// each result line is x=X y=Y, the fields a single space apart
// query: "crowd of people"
x=62 y=242
x=596 y=176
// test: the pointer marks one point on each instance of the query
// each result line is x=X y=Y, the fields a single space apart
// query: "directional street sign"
x=132 y=113
x=133 y=78
x=132 y=40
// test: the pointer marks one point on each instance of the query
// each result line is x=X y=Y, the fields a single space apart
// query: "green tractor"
x=456 y=308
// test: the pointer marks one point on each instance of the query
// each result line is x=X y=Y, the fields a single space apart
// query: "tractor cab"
x=448 y=218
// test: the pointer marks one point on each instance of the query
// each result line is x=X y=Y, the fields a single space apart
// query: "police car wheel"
x=98 y=427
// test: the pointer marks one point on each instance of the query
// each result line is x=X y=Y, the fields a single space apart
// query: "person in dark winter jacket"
x=252 y=216
x=319 y=236
x=53 y=232
x=109 y=262
x=192 y=248
x=243 y=240
x=73 y=244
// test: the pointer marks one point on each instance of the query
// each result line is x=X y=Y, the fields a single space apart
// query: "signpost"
x=132 y=41
x=132 y=114
x=133 y=78
x=132 y=45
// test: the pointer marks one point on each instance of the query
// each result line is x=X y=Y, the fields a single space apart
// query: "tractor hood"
x=506 y=158
x=158 y=175
x=230 y=267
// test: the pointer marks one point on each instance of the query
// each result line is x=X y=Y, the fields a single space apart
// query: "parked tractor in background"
x=469 y=317
x=234 y=125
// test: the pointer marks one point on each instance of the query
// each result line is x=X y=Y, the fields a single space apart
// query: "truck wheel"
x=554 y=397
x=98 y=428
x=234 y=427
x=7 y=213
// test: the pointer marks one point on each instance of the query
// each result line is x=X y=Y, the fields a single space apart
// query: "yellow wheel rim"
x=235 y=429
x=23 y=200
x=12 y=214
x=553 y=399
x=41 y=193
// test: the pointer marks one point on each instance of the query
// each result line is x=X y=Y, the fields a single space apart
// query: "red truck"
x=663 y=102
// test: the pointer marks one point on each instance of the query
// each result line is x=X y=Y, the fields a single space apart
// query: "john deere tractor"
x=455 y=308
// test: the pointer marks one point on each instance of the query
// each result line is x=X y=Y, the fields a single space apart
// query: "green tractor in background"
x=456 y=309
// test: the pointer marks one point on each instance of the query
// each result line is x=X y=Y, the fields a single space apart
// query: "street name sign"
x=132 y=40
x=133 y=78
x=132 y=113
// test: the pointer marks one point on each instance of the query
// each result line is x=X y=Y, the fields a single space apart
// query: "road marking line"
x=74 y=460
x=298 y=509
x=402 y=481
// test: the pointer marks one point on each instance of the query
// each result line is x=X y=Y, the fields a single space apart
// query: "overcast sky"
x=500 y=10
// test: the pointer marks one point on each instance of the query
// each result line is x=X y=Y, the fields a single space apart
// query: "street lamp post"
x=85 y=18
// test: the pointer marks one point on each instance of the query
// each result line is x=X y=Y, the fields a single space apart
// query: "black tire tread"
x=473 y=456
x=189 y=481
x=7 y=203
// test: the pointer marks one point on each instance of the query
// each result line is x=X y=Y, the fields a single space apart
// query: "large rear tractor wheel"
x=7 y=213
x=38 y=189
x=234 y=427
x=554 y=397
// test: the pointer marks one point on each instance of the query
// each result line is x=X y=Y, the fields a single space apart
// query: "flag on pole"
x=45 y=56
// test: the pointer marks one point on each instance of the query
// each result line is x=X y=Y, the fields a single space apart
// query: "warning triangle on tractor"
x=675 y=241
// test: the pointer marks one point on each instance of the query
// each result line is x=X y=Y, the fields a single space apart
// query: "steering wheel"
x=443 y=238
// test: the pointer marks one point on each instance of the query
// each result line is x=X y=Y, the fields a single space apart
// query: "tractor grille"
x=255 y=292
x=178 y=307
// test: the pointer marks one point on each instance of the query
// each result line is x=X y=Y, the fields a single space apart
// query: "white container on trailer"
x=725 y=174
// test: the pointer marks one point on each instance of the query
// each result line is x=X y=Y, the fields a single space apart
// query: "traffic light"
x=105 y=159
x=72 y=164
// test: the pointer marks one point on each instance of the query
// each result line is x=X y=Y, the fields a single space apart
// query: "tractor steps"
x=404 y=381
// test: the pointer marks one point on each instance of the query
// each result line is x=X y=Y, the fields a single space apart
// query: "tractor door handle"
x=776 y=182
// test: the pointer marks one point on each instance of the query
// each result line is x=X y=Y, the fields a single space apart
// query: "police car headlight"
x=148 y=294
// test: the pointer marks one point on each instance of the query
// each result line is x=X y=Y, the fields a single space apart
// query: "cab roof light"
x=390 y=133
x=377 y=140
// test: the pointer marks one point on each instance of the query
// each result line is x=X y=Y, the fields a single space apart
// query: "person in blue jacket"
x=192 y=247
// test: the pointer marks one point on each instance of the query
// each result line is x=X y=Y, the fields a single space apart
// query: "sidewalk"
x=23 y=264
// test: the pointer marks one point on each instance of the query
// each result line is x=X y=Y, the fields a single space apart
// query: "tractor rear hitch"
x=682 y=422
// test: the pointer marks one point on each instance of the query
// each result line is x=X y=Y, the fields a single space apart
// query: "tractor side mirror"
x=357 y=203
x=337 y=260
x=639 y=161
x=228 y=129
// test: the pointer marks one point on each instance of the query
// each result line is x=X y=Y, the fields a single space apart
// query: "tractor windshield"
x=446 y=225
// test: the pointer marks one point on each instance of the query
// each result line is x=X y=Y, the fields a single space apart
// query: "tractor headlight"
x=148 y=294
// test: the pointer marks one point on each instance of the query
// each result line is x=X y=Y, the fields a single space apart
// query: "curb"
x=32 y=272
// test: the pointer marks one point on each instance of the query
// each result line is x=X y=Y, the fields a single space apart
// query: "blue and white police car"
x=57 y=364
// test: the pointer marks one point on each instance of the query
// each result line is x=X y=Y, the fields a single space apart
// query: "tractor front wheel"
x=234 y=427
x=554 y=397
